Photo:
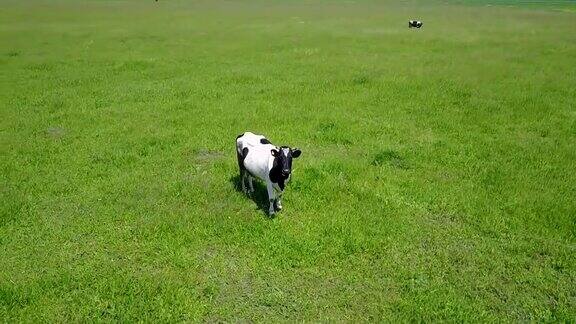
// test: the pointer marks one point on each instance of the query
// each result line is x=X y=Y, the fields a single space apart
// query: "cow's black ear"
x=296 y=153
x=274 y=152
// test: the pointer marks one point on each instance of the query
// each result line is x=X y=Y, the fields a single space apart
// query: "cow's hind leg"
x=243 y=172
x=243 y=181
x=250 y=184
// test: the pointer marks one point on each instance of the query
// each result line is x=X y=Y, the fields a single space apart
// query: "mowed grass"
x=437 y=180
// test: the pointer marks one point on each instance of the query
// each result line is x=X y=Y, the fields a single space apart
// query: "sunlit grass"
x=436 y=180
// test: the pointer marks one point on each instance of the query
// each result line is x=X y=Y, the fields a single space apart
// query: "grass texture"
x=437 y=180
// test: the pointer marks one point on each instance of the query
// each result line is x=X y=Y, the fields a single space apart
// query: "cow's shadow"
x=259 y=196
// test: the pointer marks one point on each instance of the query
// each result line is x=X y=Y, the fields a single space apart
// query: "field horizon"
x=436 y=182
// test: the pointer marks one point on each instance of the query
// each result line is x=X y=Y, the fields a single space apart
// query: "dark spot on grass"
x=558 y=267
x=13 y=54
x=210 y=291
x=328 y=126
x=493 y=178
x=41 y=67
x=10 y=298
x=365 y=77
x=390 y=157
x=361 y=80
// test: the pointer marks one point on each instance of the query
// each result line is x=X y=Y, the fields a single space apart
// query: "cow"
x=414 y=23
x=258 y=158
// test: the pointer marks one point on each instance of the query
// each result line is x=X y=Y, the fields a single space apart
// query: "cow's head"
x=284 y=156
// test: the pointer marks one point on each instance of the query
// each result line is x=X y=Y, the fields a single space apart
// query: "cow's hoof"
x=277 y=206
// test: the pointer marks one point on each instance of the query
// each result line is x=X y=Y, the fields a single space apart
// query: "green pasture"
x=437 y=180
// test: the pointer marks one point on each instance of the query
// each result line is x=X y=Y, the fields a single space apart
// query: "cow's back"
x=248 y=139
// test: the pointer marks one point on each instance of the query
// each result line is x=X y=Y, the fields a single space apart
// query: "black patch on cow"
x=264 y=141
x=414 y=23
x=241 y=158
x=237 y=137
x=275 y=174
x=282 y=162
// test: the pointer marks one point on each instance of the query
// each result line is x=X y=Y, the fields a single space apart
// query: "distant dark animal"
x=258 y=158
x=414 y=24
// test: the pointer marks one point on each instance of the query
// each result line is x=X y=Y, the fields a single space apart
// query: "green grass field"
x=437 y=180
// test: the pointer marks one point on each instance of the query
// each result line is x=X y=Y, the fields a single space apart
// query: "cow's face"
x=284 y=156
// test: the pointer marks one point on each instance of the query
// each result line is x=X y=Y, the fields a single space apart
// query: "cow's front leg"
x=250 y=184
x=271 y=197
x=243 y=181
x=278 y=202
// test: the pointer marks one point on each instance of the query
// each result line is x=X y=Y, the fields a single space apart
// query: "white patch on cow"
x=248 y=140
x=259 y=161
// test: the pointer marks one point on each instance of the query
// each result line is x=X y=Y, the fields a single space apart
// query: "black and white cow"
x=414 y=23
x=258 y=158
